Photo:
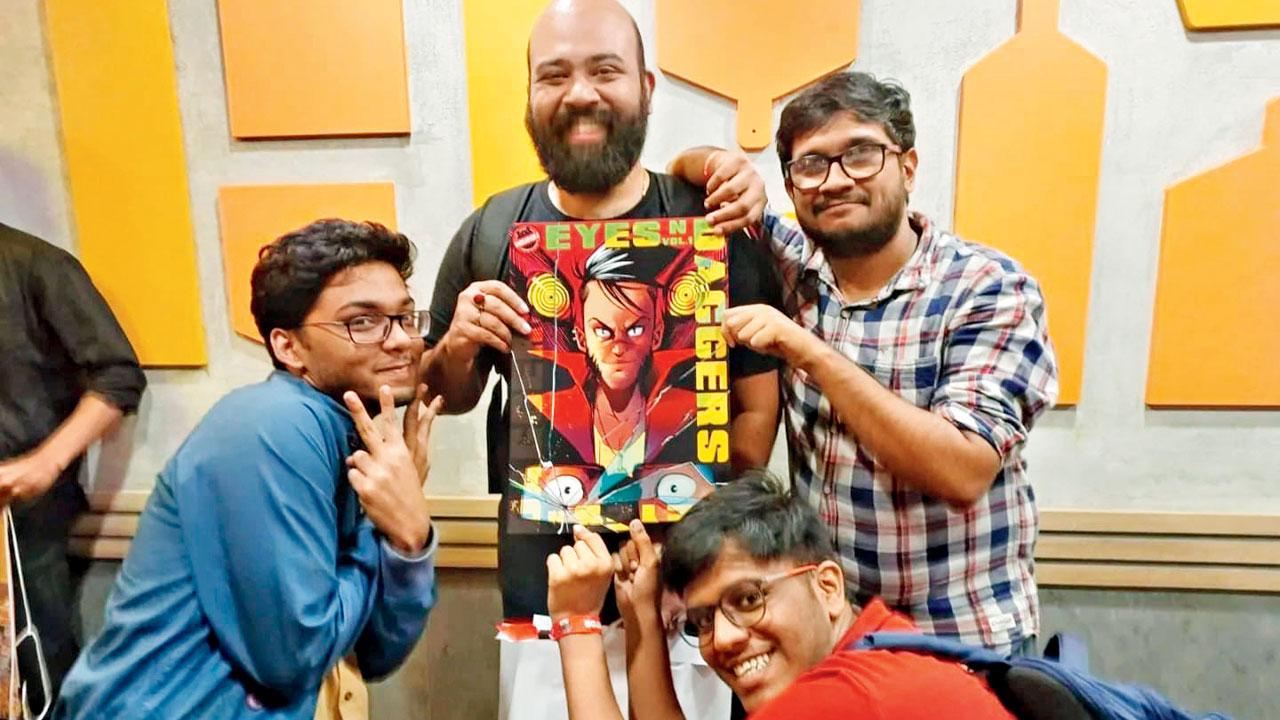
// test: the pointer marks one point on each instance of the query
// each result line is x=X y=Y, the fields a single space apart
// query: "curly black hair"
x=294 y=269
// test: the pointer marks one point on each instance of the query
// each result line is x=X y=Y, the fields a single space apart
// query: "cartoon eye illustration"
x=675 y=488
x=567 y=491
x=635 y=331
x=602 y=332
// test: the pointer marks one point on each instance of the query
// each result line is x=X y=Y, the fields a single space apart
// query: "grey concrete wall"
x=1178 y=104
x=1208 y=651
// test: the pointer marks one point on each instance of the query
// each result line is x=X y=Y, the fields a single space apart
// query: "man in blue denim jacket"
x=275 y=543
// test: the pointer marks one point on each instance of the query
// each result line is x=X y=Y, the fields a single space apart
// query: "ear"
x=649 y=85
x=579 y=340
x=659 y=327
x=909 y=160
x=831 y=592
x=287 y=347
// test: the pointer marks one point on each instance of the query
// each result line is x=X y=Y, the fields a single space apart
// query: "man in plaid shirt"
x=918 y=363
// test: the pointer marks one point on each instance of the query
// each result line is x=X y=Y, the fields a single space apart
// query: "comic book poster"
x=620 y=394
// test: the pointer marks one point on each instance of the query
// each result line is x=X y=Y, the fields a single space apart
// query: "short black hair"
x=610 y=266
x=293 y=269
x=755 y=511
x=885 y=103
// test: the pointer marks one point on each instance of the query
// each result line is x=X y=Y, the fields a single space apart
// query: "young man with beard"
x=917 y=364
x=765 y=603
x=587 y=114
x=271 y=547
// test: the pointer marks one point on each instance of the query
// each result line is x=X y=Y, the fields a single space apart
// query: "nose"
x=397 y=338
x=728 y=638
x=837 y=181
x=581 y=92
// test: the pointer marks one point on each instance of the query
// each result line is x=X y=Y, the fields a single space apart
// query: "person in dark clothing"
x=67 y=376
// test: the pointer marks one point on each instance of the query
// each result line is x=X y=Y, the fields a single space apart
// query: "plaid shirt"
x=960 y=331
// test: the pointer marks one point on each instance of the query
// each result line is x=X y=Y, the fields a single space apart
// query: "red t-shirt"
x=852 y=685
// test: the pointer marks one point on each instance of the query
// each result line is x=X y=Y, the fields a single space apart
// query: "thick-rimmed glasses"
x=374 y=328
x=859 y=162
x=743 y=604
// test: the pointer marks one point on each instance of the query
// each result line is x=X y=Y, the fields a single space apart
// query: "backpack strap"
x=977 y=658
x=488 y=249
x=488 y=260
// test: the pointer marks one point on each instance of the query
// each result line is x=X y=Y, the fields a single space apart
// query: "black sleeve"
x=753 y=280
x=81 y=320
x=453 y=276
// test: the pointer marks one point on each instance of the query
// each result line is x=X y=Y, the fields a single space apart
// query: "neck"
x=618 y=400
x=608 y=204
x=861 y=277
x=842 y=625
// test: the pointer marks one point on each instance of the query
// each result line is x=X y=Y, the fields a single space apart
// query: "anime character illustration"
x=605 y=395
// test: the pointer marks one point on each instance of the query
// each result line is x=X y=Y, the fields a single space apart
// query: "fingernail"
x=526 y=327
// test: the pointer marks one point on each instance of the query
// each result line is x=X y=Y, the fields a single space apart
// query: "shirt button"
x=346 y=697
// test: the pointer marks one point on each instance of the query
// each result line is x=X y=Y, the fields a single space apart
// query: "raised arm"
x=577 y=581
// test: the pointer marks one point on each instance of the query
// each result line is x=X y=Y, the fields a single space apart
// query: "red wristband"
x=576 y=625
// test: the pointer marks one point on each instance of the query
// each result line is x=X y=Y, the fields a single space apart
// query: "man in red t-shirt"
x=765 y=602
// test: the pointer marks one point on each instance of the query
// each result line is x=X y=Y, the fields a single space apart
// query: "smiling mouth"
x=752 y=665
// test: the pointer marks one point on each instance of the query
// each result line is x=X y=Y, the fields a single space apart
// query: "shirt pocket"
x=912 y=381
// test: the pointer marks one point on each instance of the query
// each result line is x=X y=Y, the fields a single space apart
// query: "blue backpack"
x=1057 y=686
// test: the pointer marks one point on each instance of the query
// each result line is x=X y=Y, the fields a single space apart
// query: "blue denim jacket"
x=253 y=571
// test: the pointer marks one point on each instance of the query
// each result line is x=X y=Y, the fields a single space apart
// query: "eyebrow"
x=370 y=305
x=559 y=63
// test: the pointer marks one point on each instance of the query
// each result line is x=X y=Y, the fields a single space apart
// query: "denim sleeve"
x=406 y=594
x=284 y=602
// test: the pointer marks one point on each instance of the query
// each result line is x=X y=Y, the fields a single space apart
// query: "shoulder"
x=972 y=272
x=26 y=250
x=887 y=684
x=277 y=413
x=956 y=256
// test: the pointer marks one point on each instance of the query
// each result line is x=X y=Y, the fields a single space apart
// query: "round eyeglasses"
x=743 y=604
x=859 y=162
x=374 y=328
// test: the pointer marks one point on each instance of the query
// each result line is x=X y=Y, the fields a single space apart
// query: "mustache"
x=564 y=120
x=824 y=202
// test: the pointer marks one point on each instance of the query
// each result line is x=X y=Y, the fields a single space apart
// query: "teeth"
x=751 y=665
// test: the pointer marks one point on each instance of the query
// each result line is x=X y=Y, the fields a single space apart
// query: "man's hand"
x=766 y=330
x=388 y=476
x=27 y=476
x=486 y=314
x=735 y=191
x=578 y=576
x=637 y=582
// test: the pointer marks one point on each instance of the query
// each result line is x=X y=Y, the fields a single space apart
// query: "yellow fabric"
x=343 y=695
x=632 y=452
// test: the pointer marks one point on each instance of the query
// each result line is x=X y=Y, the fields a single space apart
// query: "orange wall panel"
x=253 y=215
x=1229 y=14
x=126 y=169
x=1027 y=168
x=755 y=51
x=1216 y=336
x=497 y=38
x=314 y=68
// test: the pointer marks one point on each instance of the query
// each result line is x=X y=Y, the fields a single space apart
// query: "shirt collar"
x=914 y=275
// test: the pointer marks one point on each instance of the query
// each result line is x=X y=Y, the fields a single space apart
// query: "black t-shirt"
x=479 y=251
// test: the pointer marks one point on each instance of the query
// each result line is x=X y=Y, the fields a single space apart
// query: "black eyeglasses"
x=374 y=328
x=742 y=604
x=859 y=162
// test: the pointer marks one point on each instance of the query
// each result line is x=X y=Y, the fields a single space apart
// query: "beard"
x=861 y=241
x=589 y=169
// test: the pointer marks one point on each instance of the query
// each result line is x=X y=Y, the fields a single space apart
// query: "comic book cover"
x=620 y=394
